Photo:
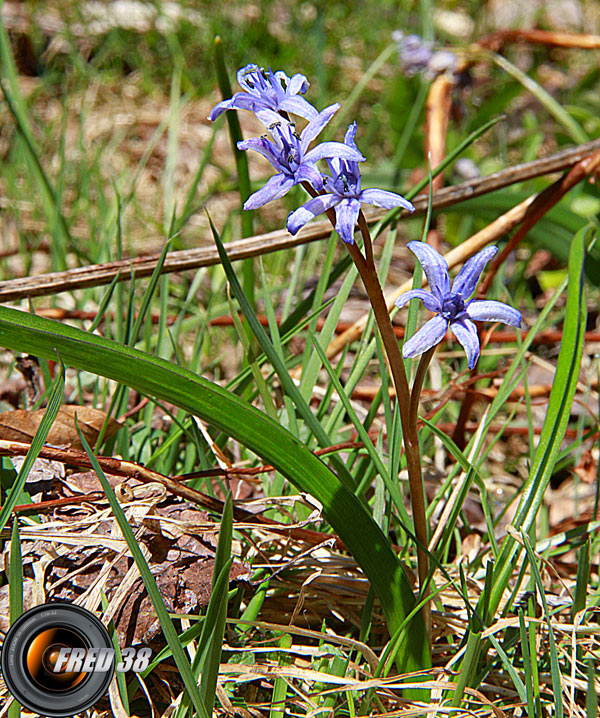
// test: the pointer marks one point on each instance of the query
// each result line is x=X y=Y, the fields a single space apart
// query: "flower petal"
x=274 y=188
x=346 y=215
x=269 y=117
x=242 y=73
x=434 y=266
x=263 y=146
x=333 y=149
x=466 y=333
x=350 y=135
x=299 y=106
x=466 y=280
x=297 y=84
x=307 y=172
x=239 y=101
x=218 y=110
x=299 y=217
x=317 y=124
x=488 y=310
x=430 y=334
x=383 y=198
x=430 y=301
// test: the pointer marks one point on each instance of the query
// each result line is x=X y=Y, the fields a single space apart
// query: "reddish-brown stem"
x=410 y=433
x=366 y=235
x=365 y=265
x=415 y=395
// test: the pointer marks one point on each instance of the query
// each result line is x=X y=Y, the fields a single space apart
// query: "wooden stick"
x=455 y=256
x=129 y=469
x=543 y=204
x=99 y=274
x=540 y=37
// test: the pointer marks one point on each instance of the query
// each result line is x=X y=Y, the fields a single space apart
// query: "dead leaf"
x=21 y=425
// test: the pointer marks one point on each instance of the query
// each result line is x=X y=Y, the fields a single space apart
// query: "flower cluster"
x=272 y=96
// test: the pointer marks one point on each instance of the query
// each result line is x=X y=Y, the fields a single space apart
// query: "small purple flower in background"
x=454 y=307
x=414 y=52
x=288 y=152
x=418 y=56
x=266 y=93
x=345 y=194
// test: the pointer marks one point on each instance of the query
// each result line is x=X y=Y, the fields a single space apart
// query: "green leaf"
x=168 y=382
x=208 y=652
x=557 y=414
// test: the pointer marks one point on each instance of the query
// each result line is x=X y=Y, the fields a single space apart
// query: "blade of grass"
x=557 y=111
x=277 y=708
x=39 y=438
x=591 y=697
x=362 y=432
x=360 y=86
x=467 y=666
x=208 y=653
x=189 y=207
x=175 y=104
x=554 y=666
x=132 y=336
x=152 y=589
x=583 y=579
x=259 y=379
x=287 y=383
x=241 y=163
x=413 y=306
x=20 y=113
x=527 y=663
x=119 y=676
x=15 y=592
x=448 y=160
x=557 y=414
x=507 y=663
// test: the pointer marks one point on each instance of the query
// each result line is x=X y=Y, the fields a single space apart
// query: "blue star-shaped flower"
x=344 y=192
x=266 y=93
x=454 y=307
x=288 y=152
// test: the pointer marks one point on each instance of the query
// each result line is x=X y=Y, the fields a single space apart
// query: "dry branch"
x=99 y=274
x=131 y=470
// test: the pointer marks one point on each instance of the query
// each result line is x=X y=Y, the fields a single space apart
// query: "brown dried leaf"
x=21 y=425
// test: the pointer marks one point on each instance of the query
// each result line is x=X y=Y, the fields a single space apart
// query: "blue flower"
x=454 y=307
x=288 y=152
x=266 y=93
x=343 y=191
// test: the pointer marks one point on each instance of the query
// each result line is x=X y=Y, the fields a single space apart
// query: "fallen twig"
x=99 y=274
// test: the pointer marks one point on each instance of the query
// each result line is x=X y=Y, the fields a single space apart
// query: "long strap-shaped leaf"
x=160 y=379
x=557 y=415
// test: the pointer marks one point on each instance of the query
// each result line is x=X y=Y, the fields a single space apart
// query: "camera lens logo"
x=58 y=659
